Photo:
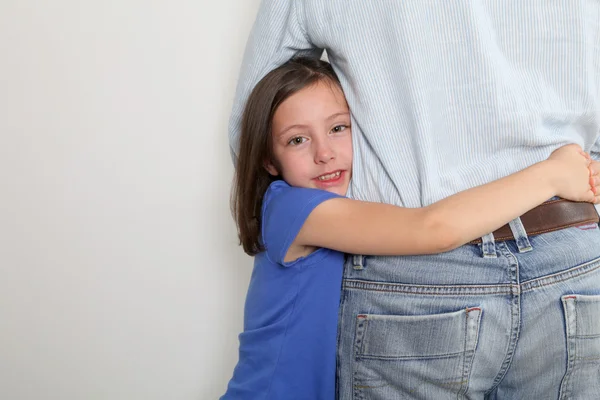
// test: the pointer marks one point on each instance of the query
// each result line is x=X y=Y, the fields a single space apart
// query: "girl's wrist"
x=551 y=175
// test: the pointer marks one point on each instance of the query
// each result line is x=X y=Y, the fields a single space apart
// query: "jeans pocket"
x=582 y=323
x=416 y=357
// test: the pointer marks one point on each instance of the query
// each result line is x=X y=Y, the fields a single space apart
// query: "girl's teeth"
x=330 y=176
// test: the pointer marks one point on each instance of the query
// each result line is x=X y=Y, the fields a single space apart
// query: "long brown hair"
x=251 y=179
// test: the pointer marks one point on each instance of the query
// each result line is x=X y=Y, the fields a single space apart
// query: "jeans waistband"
x=550 y=216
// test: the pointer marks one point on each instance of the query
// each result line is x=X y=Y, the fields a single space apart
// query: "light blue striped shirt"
x=445 y=94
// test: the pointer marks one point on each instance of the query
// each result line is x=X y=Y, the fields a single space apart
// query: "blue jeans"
x=500 y=320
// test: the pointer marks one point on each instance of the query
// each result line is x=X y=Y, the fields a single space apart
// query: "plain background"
x=120 y=274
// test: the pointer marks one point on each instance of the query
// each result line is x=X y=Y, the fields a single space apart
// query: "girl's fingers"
x=594 y=168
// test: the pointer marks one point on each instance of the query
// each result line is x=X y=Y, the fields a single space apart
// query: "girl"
x=293 y=171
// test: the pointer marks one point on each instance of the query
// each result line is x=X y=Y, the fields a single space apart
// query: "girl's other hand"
x=573 y=178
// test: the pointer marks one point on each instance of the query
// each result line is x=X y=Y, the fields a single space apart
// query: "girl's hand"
x=594 y=168
x=573 y=179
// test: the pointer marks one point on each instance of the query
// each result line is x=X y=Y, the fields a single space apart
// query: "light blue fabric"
x=445 y=95
x=521 y=325
x=288 y=347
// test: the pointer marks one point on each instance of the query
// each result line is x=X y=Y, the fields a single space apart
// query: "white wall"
x=120 y=274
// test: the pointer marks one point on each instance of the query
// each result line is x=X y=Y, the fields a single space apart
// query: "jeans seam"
x=434 y=290
x=565 y=390
x=515 y=318
x=561 y=276
x=338 y=366
x=406 y=358
x=469 y=353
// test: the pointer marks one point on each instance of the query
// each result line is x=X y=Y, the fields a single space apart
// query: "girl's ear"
x=271 y=169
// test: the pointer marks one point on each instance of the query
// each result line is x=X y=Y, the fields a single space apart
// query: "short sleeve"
x=285 y=209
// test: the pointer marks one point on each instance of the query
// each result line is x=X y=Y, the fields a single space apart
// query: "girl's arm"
x=380 y=229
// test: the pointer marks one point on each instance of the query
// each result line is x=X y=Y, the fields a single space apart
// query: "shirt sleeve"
x=285 y=209
x=278 y=34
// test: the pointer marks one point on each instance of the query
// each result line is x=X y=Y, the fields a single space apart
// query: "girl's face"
x=312 y=141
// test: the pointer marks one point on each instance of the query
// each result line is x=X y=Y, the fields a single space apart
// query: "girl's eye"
x=339 y=128
x=297 y=140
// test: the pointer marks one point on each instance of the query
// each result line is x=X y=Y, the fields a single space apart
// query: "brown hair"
x=251 y=179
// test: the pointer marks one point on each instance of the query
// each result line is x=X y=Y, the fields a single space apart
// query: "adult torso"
x=447 y=95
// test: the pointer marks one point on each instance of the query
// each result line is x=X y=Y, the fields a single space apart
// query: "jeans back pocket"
x=414 y=356
x=582 y=323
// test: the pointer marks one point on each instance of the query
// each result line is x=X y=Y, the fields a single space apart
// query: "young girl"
x=294 y=167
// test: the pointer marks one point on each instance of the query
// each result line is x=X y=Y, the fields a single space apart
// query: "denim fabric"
x=523 y=322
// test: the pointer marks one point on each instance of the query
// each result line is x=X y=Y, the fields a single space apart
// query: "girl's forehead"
x=323 y=94
x=315 y=105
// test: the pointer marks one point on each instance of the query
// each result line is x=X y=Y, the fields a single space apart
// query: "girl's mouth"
x=330 y=176
x=330 y=179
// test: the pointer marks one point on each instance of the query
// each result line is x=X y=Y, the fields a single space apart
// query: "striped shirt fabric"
x=444 y=94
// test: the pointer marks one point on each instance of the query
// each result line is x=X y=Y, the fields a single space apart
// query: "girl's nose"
x=324 y=153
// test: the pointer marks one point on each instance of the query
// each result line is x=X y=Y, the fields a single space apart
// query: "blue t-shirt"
x=288 y=347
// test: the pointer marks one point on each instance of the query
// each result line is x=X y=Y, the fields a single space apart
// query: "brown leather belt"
x=550 y=216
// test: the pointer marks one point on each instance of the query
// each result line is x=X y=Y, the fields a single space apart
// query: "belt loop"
x=488 y=246
x=357 y=261
x=518 y=230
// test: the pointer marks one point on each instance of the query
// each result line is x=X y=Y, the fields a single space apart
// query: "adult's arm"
x=279 y=33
